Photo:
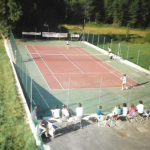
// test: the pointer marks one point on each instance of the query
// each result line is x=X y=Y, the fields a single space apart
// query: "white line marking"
x=41 y=95
x=72 y=62
x=105 y=88
x=85 y=73
x=103 y=66
x=65 y=54
x=49 y=68
x=38 y=69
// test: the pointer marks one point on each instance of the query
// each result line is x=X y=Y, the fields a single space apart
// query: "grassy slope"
x=136 y=44
x=15 y=134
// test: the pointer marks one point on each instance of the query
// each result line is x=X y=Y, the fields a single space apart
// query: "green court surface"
x=90 y=98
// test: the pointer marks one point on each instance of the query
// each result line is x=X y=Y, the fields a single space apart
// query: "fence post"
x=130 y=91
x=88 y=37
x=31 y=96
x=103 y=42
x=138 y=57
x=100 y=91
x=92 y=38
x=127 y=52
x=111 y=44
x=149 y=70
x=68 y=92
x=35 y=33
x=98 y=41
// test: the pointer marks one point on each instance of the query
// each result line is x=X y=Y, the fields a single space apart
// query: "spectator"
x=79 y=110
x=42 y=130
x=99 y=111
x=34 y=114
x=132 y=109
x=65 y=111
x=124 y=109
x=56 y=112
x=117 y=110
x=140 y=108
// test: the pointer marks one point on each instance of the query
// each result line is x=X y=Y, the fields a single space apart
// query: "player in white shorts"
x=124 y=81
x=67 y=43
x=109 y=51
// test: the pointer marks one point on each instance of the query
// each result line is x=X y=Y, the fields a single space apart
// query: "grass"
x=104 y=29
x=14 y=132
x=106 y=35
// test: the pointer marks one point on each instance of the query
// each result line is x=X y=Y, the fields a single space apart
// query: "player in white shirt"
x=79 y=110
x=109 y=51
x=124 y=81
x=67 y=43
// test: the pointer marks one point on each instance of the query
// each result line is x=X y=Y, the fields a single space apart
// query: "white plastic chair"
x=146 y=116
x=101 y=119
x=77 y=120
x=113 y=120
x=134 y=116
x=64 y=120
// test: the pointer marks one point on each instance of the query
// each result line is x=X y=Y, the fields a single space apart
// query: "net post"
x=100 y=91
x=103 y=42
x=130 y=91
x=92 y=38
x=68 y=93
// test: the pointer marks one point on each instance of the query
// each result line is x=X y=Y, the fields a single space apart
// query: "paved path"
x=125 y=136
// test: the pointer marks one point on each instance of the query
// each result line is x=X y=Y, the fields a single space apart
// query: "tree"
x=10 y=12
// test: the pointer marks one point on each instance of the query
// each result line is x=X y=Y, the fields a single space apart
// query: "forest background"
x=30 y=14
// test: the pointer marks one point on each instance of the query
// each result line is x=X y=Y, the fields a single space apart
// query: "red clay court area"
x=75 y=68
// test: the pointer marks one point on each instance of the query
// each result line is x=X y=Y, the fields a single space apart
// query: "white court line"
x=41 y=95
x=65 y=54
x=72 y=62
x=38 y=69
x=105 y=88
x=48 y=68
x=84 y=73
x=103 y=66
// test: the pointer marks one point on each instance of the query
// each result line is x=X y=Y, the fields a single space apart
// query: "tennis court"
x=60 y=65
x=80 y=74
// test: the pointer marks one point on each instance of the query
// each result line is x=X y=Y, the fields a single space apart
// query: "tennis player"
x=67 y=43
x=109 y=51
x=124 y=81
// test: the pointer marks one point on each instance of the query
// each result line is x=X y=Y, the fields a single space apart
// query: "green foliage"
x=147 y=38
x=10 y=12
x=13 y=127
